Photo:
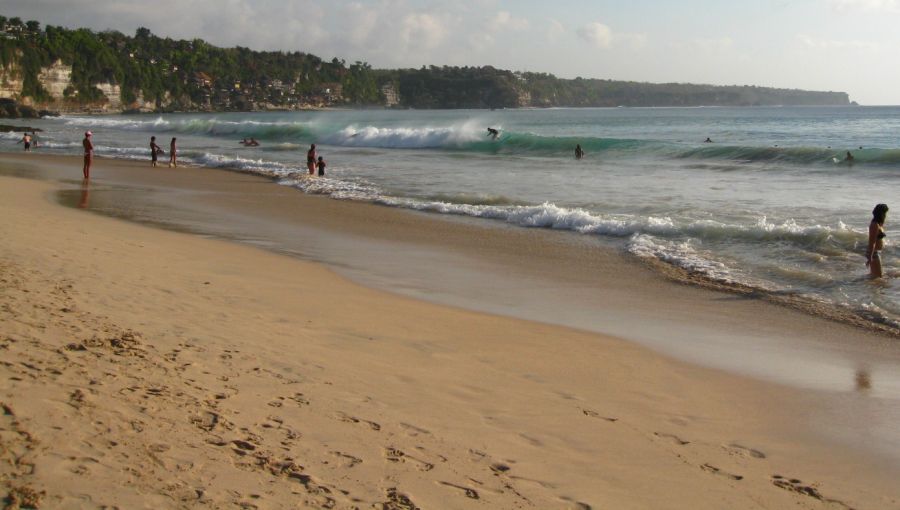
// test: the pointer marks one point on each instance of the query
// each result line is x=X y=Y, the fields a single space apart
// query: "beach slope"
x=143 y=368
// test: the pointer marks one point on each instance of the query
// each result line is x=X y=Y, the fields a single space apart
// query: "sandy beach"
x=147 y=368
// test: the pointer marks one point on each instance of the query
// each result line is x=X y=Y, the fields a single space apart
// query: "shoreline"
x=678 y=275
x=193 y=377
x=495 y=268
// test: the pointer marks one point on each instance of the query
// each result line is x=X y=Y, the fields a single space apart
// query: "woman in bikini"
x=311 y=159
x=876 y=240
x=88 y=154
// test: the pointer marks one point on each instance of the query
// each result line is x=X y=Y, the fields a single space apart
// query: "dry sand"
x=143 y=368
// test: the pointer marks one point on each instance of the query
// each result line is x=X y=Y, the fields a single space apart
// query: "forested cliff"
x=63 y=69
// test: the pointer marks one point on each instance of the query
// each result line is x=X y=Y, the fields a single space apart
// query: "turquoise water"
x=771 y=203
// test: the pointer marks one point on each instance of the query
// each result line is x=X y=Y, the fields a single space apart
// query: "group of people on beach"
x=316 y=164
x=29 y=140
x=156 y=150
x=314 y=161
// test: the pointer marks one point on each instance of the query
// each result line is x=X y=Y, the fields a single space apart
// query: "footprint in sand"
x=397 y=500
x=352 y=419
x=737 y=449
x=412 y=430
x=206 y=420
x=795 y=485
x=716 y=471
x=77 y=398
x=576 y=505
x=469 y=493
x=300 y=399
x=346 y=459
x=395 y=455
x=499 y=468
x=673 y=438
x=595 y=414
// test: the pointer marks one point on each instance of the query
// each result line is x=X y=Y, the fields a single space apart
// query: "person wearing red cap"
x=88 y=154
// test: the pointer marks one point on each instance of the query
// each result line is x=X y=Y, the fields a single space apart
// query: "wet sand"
x=146 y=367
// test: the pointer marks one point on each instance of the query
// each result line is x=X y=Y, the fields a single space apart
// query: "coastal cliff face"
x=61 y=96
x=11 y=82
x=56 y=79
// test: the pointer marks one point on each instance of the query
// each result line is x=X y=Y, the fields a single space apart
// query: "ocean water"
x=770 y=204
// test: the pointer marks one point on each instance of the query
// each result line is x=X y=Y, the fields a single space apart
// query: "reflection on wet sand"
x=863 y=380
x=84 y=202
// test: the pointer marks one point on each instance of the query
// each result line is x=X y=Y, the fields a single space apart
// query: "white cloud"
x=422 y=30
x=714 y=45
x=634 y=41
x=360 y=21
x=831 y=44
x=601 y=36
x=555 y=30
x=503 y=20
x=882 y=6
x=597 y=34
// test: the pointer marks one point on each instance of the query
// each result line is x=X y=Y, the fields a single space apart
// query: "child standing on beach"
x=321 y=165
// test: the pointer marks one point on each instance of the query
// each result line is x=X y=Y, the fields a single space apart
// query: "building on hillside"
x=333 y=92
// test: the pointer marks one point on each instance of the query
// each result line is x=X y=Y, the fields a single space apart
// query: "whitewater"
x=771 y=203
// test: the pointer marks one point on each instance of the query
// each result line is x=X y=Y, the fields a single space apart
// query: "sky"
x=839 y=45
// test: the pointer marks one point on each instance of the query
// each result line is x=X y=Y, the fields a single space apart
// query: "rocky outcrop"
x=10 y=82
x=10 y=109
x=113 y=94
x=56 y=79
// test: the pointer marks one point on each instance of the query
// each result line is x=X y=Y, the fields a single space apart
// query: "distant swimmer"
x=579 y=152
x=708 y=140
x=321 y=165
x=876 y=240
x=243 y=141
x=252 y=143
x=493 y=133
x=311 y=159
x=849 y=158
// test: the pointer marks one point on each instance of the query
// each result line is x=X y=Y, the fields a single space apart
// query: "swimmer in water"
x=876 y=240
x=579 y=152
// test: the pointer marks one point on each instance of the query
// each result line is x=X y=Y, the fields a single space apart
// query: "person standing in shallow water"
x=154 y=151
x=88 y=154
x=311 y=159
x=579 y=152
x=321 y=165
x=173 y=160
x=26 y=141
x=876 y=240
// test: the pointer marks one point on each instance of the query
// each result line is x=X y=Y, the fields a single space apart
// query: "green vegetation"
x=194 y=75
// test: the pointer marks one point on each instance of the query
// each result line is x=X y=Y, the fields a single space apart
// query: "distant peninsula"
x=56 y=69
